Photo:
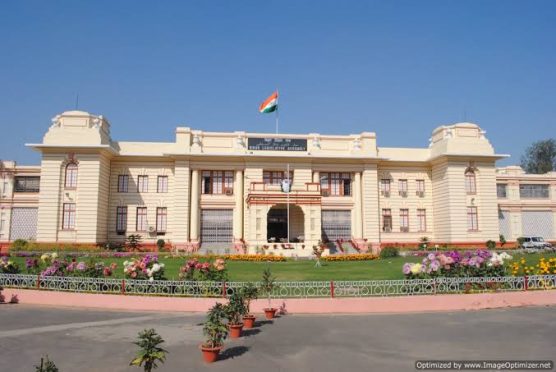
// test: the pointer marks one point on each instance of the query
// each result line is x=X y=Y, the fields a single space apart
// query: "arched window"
x=470 y=181
x=71 y=176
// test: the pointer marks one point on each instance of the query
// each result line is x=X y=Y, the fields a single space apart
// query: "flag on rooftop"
x=270 y=104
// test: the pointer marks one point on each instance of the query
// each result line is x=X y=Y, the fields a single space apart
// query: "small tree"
x=46 y=366
x=134 y=241
x=214 y=328
x=540 y=157
x=150 y=351
x=268 y=284
x=249 y=293
x=502 y=240
x=236 y=308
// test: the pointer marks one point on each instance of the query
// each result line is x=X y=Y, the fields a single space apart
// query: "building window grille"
x=385 y=187
x=161 y=219
x=162 y=184
x=404 y=220
x=402 y=188
x=501 y=190
x=25 y=184
x=142 y=183
x=123 y=183
x=422 y=218
x=121 y=220
x=387 y=220
x=470 y=182
x=420 y=185
x=141 y=220
x=71 y=176
x=217 y=182
x=275 y=177
x=335 y=225
x=68 y=216
x=335 y=184
x=472 y=219
x=533 y=191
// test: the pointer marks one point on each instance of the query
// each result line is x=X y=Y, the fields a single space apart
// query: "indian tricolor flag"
x=270 y=104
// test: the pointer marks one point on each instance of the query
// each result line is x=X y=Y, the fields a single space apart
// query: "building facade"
x=226 y=191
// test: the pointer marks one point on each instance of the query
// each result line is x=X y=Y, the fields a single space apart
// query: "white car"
x=535 y=243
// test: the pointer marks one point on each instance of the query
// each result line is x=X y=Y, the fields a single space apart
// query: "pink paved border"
x=409 y=304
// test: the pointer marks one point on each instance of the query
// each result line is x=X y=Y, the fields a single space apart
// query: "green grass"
x=302 y=270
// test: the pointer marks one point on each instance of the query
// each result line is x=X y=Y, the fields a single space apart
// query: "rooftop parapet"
x=460 y=139
x=78 y=128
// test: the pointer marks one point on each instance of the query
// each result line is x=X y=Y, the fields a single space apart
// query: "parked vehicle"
x=532 y=243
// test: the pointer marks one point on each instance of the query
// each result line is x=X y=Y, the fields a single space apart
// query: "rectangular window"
x=121 y=220
x=142 y=183
x=404 y=220
x=472 y=219
x=162 y=184
x=420 y=185
x=533 y=191
x=402 y=188
x=385 y=187
x=470 y=183
x=387 y=220
x=336 y=184
x=70 y=181
x=161 y=219
x=422 y=219
x=275 y=177
x=501 y=190
x=123 y=182
x=217 y=182
x=25 y=184
x=141 y=220
x=68 y=216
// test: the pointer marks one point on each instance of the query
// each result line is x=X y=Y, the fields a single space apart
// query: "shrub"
x=19 y=245
x=236 y=309
x=490 y=244
x=160 y=243
x=193 y=269
x=268 y=284
x=133 y=241
x=502 y=240
x=146 y=268
x=388 y=252
x=214 y=327
x=351 y=257
x=46 y=365
x=520 y=241
x=8 y=267
x=249 y=293
x=150 y=352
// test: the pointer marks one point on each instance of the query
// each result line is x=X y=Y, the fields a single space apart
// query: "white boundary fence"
x=305 y=289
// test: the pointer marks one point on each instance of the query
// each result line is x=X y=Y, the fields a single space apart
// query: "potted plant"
x=249 y=293
x=216 y=332
x=149 y=352
x=46 y=366
x=235 y=310
x=268 y=284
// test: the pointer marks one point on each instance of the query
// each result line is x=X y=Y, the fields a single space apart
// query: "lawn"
x=302 y=270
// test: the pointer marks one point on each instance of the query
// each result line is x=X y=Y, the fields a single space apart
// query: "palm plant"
x=214 y=328
x=150 y=351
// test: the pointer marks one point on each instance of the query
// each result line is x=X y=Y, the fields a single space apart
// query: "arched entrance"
x=277 y=225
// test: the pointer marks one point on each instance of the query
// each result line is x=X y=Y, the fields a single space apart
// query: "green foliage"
x=149 y=352
x=540 y=157
x=214 y=329
x=134 y=241
x=160 y=243
x=114 y=246
x=520 y=241
x=249 y=292
x=46 y=365
x=490 y=244
x=424 y=243
x=236 y=308
x=19 y=245
x=389 y=252
x=268 y=284
x=502 y=240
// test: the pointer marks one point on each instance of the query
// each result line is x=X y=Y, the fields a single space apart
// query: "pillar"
x=357 y=217
x=195 y=215
x=238 y=210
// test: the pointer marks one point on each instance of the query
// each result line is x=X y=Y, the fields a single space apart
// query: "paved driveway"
x=91 y=340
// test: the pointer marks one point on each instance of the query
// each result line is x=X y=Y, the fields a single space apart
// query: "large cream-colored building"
x=217 y=191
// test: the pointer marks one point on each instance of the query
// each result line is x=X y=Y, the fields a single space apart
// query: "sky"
x=396 y=68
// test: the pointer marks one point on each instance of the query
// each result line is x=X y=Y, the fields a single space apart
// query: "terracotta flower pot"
x=210 y=354
x=248 y=321
x=270 y=312
x=235 y=330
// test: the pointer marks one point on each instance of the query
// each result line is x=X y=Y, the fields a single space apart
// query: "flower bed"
x=350 y=257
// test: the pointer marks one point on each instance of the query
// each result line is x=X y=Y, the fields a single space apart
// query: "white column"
x=238 y=210
x=316 y=178
x=357 y=206
x=194 y=220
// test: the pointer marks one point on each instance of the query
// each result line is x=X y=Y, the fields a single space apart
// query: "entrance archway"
x=277 y=226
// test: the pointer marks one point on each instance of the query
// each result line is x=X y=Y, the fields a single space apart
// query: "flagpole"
x=288 y=202
x=276 y=120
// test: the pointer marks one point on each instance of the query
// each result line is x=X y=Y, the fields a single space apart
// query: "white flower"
x=54 y=255
x=156 y=268
x=151 y=279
